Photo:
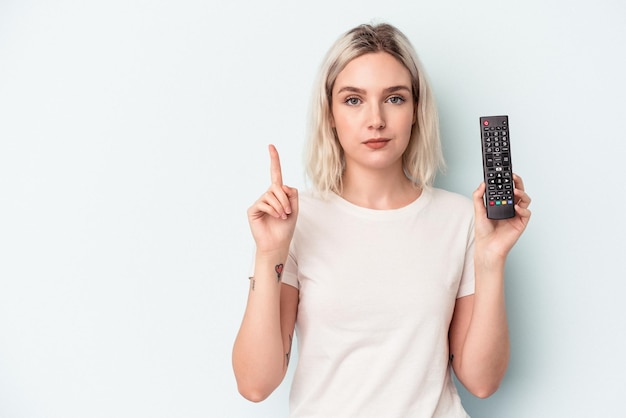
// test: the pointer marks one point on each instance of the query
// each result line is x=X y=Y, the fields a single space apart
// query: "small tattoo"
x=252 y=282
x=451 y=357
x=279 y=271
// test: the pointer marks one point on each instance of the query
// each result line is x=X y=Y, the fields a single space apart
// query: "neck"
x=375 y=190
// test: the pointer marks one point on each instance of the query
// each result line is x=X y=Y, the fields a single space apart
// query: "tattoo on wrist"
x=279 y=271
x=252 y=282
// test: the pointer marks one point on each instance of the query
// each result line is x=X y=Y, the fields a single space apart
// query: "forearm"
x=486 y=349
x=479 y=334
x=258 y=357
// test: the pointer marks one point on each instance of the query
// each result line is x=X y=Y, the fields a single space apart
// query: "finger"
x=518 y=182
x=269 y=204
x=292 y=195
x=523 y=213
x=281 y=194
x=522 y=198
x=260 y=209
x=275 y=170
x=278 y=200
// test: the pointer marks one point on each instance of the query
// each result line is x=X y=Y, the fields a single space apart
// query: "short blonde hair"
x=324 y=156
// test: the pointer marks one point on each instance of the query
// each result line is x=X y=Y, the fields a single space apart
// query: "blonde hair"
x=324 y=156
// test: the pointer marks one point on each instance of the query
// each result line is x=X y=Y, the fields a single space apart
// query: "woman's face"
x=372 y=111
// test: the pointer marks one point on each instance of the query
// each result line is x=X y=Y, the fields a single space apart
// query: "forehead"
x=372 y=71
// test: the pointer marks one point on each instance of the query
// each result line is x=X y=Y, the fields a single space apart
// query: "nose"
x=377 y=119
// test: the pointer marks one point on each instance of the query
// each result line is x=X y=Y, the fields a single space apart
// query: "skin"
x=263 y=345
x=371 y=101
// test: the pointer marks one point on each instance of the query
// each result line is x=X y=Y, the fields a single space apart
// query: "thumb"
x=292 y=195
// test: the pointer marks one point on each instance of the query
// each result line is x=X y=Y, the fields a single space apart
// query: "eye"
x=396 y=100
x=352 y=101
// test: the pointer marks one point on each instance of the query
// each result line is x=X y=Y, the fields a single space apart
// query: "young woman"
x=390 y=282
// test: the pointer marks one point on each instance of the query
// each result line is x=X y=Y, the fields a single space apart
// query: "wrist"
x=270 y=264
x=487 y=259
x=271 y=256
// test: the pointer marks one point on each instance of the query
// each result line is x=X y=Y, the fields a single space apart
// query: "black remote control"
x=497 y=167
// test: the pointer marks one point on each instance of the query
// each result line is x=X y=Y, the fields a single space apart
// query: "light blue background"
x=133 y=137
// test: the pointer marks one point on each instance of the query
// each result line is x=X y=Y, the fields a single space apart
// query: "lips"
x=376 y=143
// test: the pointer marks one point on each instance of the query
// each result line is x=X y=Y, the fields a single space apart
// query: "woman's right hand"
x=273 y=216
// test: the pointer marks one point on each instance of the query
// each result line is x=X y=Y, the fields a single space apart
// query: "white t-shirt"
x=377 y=293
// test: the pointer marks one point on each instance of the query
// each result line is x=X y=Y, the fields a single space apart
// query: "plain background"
x=133 y=137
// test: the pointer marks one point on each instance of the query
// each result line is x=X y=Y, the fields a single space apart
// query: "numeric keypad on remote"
x=497 y=167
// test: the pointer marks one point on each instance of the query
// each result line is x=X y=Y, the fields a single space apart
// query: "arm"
x=479 y=336
x=263 y=345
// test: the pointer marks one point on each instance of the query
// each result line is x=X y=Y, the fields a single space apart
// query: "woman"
x=390 y=282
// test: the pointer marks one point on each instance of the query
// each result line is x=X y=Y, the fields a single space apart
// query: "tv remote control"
x=497 y=167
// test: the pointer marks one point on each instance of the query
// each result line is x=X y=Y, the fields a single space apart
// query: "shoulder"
x=308 y=198
x=450 y=204
x=314 y=204
x=441 y=196
x=317 y=199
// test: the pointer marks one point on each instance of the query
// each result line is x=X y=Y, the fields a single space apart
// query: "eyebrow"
x=392 y=89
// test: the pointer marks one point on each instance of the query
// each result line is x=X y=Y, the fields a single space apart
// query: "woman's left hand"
x=497 y=237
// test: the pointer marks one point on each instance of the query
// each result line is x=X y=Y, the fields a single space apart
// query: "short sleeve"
x=466 y=285
x=290 y=273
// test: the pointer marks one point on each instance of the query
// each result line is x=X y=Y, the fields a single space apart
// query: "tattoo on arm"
x=451 y=357
x=279 y=271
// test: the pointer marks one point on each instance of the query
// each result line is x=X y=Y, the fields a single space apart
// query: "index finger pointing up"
x=275 y=170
